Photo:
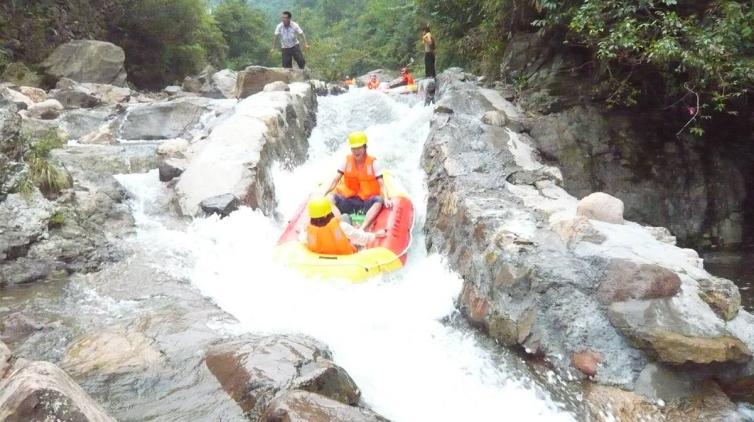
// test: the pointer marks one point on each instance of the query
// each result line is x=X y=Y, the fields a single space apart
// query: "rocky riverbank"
x=79 y=294
x=596 y=296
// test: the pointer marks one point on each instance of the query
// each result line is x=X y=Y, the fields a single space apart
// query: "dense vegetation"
x=697 y=53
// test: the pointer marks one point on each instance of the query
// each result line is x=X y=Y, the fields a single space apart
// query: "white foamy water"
x=387 y=333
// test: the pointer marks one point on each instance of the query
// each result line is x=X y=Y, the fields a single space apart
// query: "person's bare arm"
x=388 y=203
x=274 y=41
x=334 y=183
x=306 y=43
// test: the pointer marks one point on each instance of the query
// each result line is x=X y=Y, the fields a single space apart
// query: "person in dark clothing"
x=429 y=52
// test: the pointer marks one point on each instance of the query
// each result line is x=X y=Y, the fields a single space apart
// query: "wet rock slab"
x=253 y=370
x=40 y=391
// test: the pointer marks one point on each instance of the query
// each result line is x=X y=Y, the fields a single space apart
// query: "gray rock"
x=601 y=206
x=21 y=101
x=657 y=382
x=17 y=326
x=222 y=205
x=253 y=370
x=172 y=90
x=24 y=221
x=335 y=89
x=302 y=406
x=253 y=79
x=88 y=61
x=276 y=86
x=267 y=127
x=721 y=295
x=80 y=123
x=171 y=168
x=163 y=120
x=40 y=391
x=35 y=94
x=77 y=96
x=46 y=110
x=494 y=118
x=319 y=87
x=222 y=84
x=661 y=329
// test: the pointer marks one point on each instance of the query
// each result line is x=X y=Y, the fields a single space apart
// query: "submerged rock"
x=112 y=351
x=221 y=204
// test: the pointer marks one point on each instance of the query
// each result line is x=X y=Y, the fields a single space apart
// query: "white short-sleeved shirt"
x=288 y=34
x=375 y=166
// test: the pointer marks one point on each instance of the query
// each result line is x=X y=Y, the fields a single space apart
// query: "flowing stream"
x=398 y=335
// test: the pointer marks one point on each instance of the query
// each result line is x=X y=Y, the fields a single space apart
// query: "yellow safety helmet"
x=319 y=207
x=357 y=139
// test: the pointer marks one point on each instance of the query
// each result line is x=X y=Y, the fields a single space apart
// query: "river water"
x=395 y=334
x=735 y=265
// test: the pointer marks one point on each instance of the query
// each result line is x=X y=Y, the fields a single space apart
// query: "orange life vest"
x=373 y=84
x=329 y=240
x=359 y=180
x=408 y=79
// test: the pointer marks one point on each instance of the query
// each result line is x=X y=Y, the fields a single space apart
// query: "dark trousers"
x=429 y=65
x=293 y=53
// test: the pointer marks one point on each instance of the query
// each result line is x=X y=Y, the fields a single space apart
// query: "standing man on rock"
x=287 y=30
x=429 y=52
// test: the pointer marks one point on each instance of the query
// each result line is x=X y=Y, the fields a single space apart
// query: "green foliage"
x=167 y=40
x=246 y=33
x=44 y=174
x=350 y=38
x=56 y=220
x=650 y=52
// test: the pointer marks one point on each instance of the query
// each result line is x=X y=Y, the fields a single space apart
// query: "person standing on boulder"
x=286 y=31
x=429 y=52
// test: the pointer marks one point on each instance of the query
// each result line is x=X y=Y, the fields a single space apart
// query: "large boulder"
x=303 y=406
x=594 y=298
x=662 y=329
x=40 y=391
x=163 y=120
x=266 y=127
x=112 y=351
x=88 y=61
x=79 y=123
x=24 y=221
x=253 y=370
x=253 y=79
